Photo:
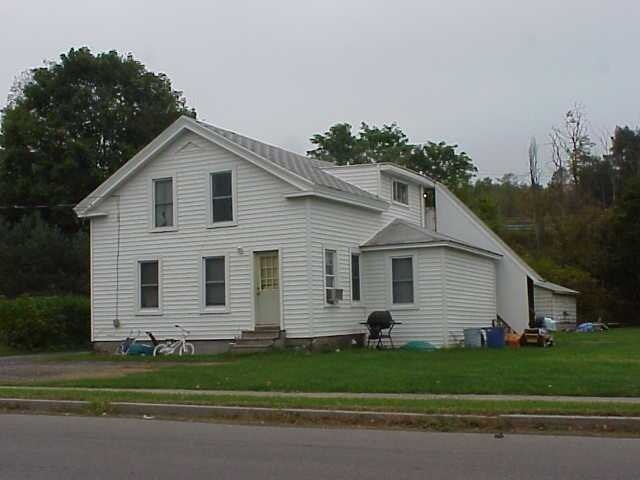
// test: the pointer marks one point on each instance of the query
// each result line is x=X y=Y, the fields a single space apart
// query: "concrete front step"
x=255 y=342
x=260 y=335
x=243 y=348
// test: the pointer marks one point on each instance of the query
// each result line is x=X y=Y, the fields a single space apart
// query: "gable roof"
x=555 y=288
x=304 y=173
x=400 y=233
x=307 y=167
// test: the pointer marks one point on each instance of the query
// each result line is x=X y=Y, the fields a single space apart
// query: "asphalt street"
x=65 y=447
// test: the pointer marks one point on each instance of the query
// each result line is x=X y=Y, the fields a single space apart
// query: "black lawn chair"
x=380 y=324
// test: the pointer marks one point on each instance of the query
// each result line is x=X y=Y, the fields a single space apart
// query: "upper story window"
x=400 y=192
x=330 y=269
x=163 y=203
x=355 y=277
x=402 y=280
x=222 y=211
x=149 y=284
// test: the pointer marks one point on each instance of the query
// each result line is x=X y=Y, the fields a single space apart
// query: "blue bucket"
x=495 y=337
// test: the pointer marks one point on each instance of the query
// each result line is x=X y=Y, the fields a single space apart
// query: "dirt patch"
x=32 y=369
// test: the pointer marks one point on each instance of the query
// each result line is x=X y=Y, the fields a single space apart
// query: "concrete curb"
x=370 y=418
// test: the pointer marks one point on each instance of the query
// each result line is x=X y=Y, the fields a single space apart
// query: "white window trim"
x=352 y=252
x=148 y=311
x=152 y=208
x=336 y=274
x=414 y=271
x=393 y=199
x=234 y=197
x=204 y=309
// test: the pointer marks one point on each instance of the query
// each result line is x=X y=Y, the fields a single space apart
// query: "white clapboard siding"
x=341 y=228
x=266 y=220
x=364 y=176
x=454 y=219
x=562 y=304
x=412 y=212
x=543 y=302
x=470 y=289
x=425 y=321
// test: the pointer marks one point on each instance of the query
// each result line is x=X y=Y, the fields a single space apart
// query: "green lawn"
x=4 y=350
x=479 y=407
x=606 y=364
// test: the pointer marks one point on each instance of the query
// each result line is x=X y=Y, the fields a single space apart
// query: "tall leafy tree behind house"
x=70 y=124
x=389 y=143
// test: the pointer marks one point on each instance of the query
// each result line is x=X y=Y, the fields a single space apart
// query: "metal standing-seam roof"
x=306 y=167
x=400 y=232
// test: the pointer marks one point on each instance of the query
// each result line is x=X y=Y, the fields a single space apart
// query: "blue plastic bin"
x=495 y=337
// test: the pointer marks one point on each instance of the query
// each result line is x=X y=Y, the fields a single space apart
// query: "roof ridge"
x=304 y=166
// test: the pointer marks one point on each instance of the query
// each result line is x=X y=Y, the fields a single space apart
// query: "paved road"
x=35 y=447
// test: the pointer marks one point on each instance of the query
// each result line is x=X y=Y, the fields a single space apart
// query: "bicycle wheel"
x=158 y=350
x=188 y=349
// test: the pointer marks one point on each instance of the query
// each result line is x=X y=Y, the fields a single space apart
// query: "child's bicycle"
x=125 y=345
x=181 y=346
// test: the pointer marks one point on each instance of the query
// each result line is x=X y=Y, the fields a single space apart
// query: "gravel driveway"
x=34 y=368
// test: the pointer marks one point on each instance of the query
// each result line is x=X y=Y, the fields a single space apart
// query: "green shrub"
x=38 y=323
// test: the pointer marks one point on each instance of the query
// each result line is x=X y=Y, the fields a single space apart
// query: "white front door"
x=267 y=288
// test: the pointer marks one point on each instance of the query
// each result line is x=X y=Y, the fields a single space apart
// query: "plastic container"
x=472 y=337
x=495 y=337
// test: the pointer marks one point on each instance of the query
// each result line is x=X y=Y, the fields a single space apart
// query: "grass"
x=600 y=364
x=478 y=407
x=5 y=350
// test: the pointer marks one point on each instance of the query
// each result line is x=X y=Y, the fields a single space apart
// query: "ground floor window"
x=355 y=277
x=402 y=280
x=149 y=285
x=214 y=282
x=329 y=273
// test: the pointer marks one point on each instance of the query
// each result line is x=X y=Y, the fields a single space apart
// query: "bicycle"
x=170 y=347
x=124 y=346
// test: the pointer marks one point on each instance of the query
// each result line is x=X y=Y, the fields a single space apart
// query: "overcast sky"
x=486 y=75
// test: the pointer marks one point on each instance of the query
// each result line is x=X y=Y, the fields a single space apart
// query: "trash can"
x=495 y=337
x=472 y=337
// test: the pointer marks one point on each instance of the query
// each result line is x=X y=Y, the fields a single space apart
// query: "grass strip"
x=448 y=406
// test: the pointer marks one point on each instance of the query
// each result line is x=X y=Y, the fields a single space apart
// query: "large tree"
x=70 y=124
x=389 y=143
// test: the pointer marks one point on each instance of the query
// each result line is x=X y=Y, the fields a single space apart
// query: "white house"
x=223 y=234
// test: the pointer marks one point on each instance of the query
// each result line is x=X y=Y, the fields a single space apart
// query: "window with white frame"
x=163 y=208
x=149 y=273
x=222 y=197
x=402 y=280
x=214 y=284
x=330 y=269
x=400 y=192
x=355 y=277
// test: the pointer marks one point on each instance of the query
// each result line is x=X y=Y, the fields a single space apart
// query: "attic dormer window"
x=400 y=192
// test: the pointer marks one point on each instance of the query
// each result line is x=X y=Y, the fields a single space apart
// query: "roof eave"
x=162 y=141
x=345 y=198
x=453 y=245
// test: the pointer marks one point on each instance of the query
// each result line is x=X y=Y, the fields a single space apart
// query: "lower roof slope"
x=400 y=232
